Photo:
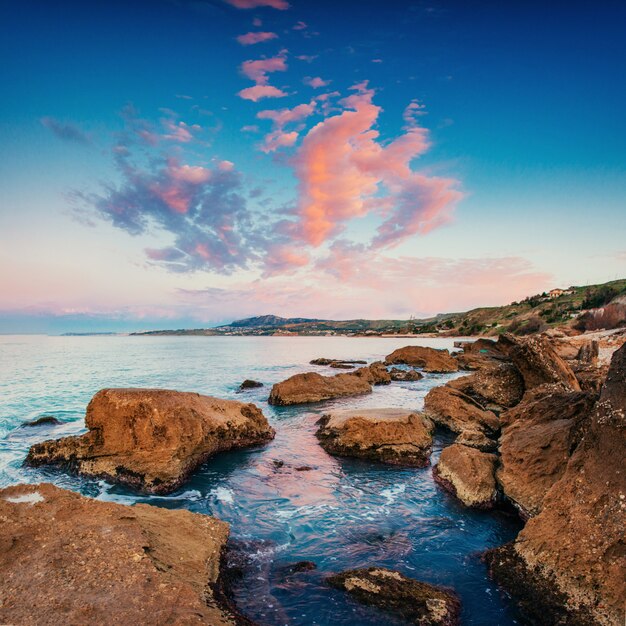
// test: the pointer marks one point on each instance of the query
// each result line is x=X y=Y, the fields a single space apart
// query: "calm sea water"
x=341 y=514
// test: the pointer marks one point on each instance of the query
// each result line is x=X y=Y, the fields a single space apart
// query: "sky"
x=184 y=163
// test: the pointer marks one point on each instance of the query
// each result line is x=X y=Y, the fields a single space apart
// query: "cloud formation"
x=316 y=82
x=278 y=138
x=281 y=5
x=257 y=70
x=252 y=38
x=65 y=130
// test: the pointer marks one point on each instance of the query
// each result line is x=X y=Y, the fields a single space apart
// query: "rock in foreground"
x=468 y=474
x=389 y=436
x=313 y=387
x=153 y=439
x=429 y=359
x=412 y=600
x=67 y=559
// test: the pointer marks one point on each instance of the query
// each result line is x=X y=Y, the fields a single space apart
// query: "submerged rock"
x=313 y=387
x=412 y=600
x=396 y=374
x=568 y=565
x=153 y=439
x=46 y=420
x=429 y=359
x=250 y=384
x=388 y=436
x=468 y=474
x=67 y=559
x=324 y=361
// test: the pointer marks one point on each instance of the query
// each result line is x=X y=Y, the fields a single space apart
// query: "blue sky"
x=130 y=196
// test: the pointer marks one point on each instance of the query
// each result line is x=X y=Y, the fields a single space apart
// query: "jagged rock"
x=478 y=440
x=412 y=600
x=374 y=374
x=313 y=387
x=498 y=384
x=67 y=559
x=46 y=420
x=468 y=474
x=153 y=439
x=589 y=352
x=388 y=436
x=568 y=565
x=537 y=361
x=478 y=354
x=429 y=359
x=398 y=375
x=250 y=384
x=544 y=430
x=453 y=409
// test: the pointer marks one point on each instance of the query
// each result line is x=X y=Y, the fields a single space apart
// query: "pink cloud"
x=278 y=139
x=258 y=92
x=280 y=118
x=342 y=168
x=258 y=69
x=281 y=5
x=256 y=37
x=179 y=131
x=315 y=82
x=299 y=25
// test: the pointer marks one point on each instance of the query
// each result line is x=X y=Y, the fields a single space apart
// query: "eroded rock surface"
x=375 y=374
x=412 y=600
x=390 y=436
x=428 y=359
x=468 y=474
x=399 y=375
x=67 y=559
x=153 y=439
x=313 y=387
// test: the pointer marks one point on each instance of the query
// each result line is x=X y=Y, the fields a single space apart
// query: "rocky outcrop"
x=453 y=409
x=478 y=354
x=413 y=601
x=375 y=374
x=537 y=361
x=250 y=384
x=494 y=386
x=325 y=361
x=569 y=562
x=153 y=439
x=67 y=559
x=410 y=375
x=468 y=474
x=428 y=359
x=389 y=436
x=313 y=387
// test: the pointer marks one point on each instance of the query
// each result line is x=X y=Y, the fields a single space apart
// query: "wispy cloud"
x=257 y=70
x=316 y=82
x=252 y=38
x=281 y=5
x=66 y=131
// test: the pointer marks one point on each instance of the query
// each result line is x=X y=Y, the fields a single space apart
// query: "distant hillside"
x=268 y=321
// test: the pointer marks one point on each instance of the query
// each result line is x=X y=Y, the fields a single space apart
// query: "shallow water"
x=340 y=514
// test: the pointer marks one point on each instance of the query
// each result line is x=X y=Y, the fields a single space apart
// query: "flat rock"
x=469 y=474
x=67 y=559
x=313 y=387
x=391 y=436
x=411 y=600
x=153 y=439
x=428 y=359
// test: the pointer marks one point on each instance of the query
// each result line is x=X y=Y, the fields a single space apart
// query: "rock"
x=453 y=409
x=535 y=448
x=412 y=600
x=389 y=436
x=295 y=568
x=375 y=374
x=478 y=354
x=313 y=387
x=590 y=377
x=537 y=361
x=46 y=420
x=303 y=468
x=498 y=384
x=568 y=564
x=476 y=439
x=250 y=384
x=468 y=474
x=589 y=352
x=324 y=361
x=340 y=365
x=67 y=559
x=429 y=359
x=396 y=374
x=153 y=439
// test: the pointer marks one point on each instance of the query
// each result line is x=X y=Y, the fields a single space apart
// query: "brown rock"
x=250 y=384
x=67 y=559
x=458 y=412
x=153 y=439
x=535 y=448
x=478 y=354
x=325 y=361
x=537 y=361
x=396 y=374
x=313 y=387
x=389 y=436
x=468 y=474
x=477 y=439
x=375 y=374
x=429 y=359
x=569 y=562
x=412 y=600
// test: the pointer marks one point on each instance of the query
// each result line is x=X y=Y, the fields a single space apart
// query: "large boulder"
x=389 y=436
x=153 y=439
x=478 y=354
x=568 y=565
x=468 y=474
x=313 y=387
x=537 y=361
x=429 y=359
x=413 y=601
x=544 y=431
x=409 y=375
x=67 y=559
x=455 y=410
x=375 y=374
